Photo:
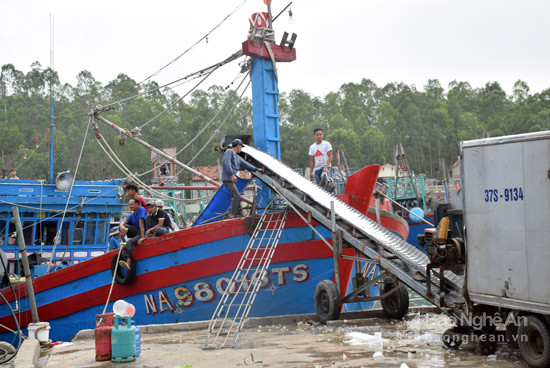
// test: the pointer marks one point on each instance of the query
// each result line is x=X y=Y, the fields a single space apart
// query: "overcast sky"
x=338 y=42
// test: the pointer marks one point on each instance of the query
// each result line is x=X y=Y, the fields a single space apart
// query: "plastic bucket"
x=39 y=331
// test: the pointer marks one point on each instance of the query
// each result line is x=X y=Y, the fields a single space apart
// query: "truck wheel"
x=395 y=305
x=450 y=339
x=534 y=341
x=487 y=346
x=327 y=301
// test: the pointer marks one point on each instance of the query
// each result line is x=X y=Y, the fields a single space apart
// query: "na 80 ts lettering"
x=206 y=293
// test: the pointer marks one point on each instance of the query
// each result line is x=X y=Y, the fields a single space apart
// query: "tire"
x=123 y=277
x=487 y=346
x=327 y=301
x=534 y=341
x=450 y=339
x=395 y=305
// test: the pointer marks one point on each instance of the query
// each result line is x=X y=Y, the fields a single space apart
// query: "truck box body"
x=506 y=184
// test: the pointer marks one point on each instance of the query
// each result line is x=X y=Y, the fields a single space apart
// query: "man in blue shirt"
x=134 y=228
x=232 y=163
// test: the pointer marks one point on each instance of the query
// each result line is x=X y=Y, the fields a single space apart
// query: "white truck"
x=503 y=249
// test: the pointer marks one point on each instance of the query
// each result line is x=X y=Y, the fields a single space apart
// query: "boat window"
x=90 y=233
x=46 y=232
x=102 y=232
x=65 y=233
x=11 y=231
x=3 y=228
x=69 y=215
x=78 y=232
x=28 y=232
x=3 y=214
x=28 y=214
x=92 y=215
x=41 y=214
x=103 y=215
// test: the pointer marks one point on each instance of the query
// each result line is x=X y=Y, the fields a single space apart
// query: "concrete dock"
x=358 y=339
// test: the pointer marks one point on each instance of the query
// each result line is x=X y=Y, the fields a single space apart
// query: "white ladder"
x=235 y=304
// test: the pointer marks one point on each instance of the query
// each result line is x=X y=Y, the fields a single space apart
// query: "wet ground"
x=372 y=342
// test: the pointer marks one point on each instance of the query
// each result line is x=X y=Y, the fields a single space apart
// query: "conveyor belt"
x=367 y=236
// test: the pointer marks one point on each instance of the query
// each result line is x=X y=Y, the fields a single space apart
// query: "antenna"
x=51 y=98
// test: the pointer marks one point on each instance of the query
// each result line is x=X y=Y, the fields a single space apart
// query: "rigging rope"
x=221 y=124
x=116 y=160
x=197 y=74
x=196 y=136
x=196 y=43
x=177 y=101
x=85 y=111
x=57 y=238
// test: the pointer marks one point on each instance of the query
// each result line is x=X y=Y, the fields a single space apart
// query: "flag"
x=24 y=155
x=265 y=1
x=36 y=142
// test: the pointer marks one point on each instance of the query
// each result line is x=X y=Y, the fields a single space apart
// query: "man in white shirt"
x=320 y=156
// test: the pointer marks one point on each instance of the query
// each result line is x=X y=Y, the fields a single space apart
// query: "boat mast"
x=263 y=50
x=51 y=101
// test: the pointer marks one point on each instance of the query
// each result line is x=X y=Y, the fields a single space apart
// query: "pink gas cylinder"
x=103 y=327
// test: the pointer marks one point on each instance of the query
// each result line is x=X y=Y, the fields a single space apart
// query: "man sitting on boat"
x=232 y=163
x=132 y=192
x=160 y=204
x=134 y=228
x=157 y=221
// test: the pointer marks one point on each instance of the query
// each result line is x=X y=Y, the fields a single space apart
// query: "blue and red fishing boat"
x=181 y=276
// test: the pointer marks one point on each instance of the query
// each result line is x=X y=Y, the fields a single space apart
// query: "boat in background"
x=65 y=223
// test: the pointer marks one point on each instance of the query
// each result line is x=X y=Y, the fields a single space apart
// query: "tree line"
x=362 y=119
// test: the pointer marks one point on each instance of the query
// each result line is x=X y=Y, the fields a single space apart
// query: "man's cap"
x=114 y=231
x=236 y=142
x=160 y=203
x=151 y=202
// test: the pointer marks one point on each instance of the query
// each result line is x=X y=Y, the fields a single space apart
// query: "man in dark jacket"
x=157 y=221
x=232 y=163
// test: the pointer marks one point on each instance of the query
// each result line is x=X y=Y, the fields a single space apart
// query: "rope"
x=221 y=124
x=196 y=74
x=204 y=128
x=178 y=100
x=131 y=176
x=57 y=238
x=85 y=111
x=112 y=281
x=196 y=43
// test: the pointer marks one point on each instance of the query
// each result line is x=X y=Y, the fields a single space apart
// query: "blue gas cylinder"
x=138 y=338
x=123 y=339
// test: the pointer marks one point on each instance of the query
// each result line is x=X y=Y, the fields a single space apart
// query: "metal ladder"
x=235 y=304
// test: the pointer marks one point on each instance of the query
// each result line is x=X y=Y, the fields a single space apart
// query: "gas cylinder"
x=123 y=338
x=138 y=339
x=103 y=327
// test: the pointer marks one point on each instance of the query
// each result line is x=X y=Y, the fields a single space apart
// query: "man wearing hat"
x=114 y=238
x=160 y=204
x=232 y=163
x=157 y=221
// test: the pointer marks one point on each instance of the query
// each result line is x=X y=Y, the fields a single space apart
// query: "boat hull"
x=180 y=278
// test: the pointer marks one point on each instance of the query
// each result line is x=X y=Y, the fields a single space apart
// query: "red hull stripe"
x=166 y=277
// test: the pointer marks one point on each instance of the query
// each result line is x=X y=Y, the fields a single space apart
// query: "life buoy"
x=123 y=276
